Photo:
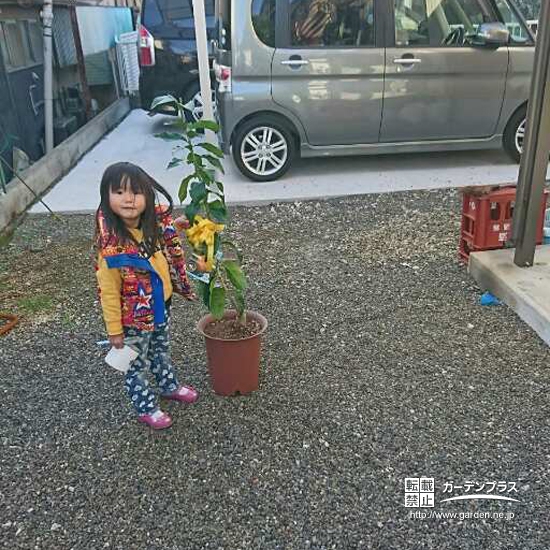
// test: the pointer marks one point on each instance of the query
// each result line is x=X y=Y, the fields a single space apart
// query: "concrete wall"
x=47 y=171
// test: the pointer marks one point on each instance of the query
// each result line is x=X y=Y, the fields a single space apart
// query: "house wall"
x=21 y=84
x=22 y=52
x=121 y=3
x=8 y=123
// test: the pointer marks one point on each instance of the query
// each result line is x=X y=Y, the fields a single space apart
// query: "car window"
x=263 y=19
x=518 y=34
x=223 y=24
x=438 y=22
x=330 y=23
x=177 y=13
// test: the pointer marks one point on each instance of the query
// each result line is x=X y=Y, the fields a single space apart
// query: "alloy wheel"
x=264 y=151
x=520 y=137
x=196 y=106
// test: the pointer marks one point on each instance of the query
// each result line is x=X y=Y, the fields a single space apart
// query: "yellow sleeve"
x=110 y=285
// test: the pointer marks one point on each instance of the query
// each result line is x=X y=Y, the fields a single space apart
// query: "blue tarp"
x=99 y=26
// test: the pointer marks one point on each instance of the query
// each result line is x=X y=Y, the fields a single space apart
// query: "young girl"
x=140 y=264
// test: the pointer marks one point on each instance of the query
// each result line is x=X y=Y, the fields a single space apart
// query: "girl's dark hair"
x=118 y=176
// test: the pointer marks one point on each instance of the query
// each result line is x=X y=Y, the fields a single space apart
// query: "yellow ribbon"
x=204 y=231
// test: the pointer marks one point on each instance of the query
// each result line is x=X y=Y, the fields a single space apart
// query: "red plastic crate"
x=487 y=220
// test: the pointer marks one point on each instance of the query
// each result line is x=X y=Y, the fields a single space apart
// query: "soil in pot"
x=231 y=329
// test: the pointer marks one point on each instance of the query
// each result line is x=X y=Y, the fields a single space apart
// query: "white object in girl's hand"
x=121 y=359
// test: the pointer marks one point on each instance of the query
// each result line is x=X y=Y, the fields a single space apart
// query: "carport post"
x=204 y=65
x=536 y=149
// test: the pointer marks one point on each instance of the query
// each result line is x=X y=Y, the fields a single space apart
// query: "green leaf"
x=215 y=162
x=206 y=175
x=174 y=162
x=191 y=210
x=221 y=188
x=204 y=292
x=179 y=123
x=163 y=101
x=198 y=191
x=235 y=274
x=214 y=189
x=211 y=148
x=182 y=193
x=211 y=174
x=239 y=302
x=169 y=136
x=206 y=125
x=193 y=158
x=231 y=245
x=217 y=301
x=217 y=211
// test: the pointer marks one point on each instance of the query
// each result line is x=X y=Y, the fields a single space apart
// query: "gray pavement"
x=378 y=365
x=133 y=140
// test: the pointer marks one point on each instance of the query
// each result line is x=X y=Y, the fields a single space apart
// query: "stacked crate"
x=487 y=220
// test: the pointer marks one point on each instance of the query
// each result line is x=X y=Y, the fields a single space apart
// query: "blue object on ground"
x=487 y=299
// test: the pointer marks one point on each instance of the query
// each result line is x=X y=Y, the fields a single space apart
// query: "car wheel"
x=195 y=104
x=514 y=134
x=263 y=149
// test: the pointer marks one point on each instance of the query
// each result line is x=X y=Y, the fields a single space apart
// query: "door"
x=437 y=85
x=328 y=69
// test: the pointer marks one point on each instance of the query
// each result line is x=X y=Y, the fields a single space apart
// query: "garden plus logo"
x=420 y=491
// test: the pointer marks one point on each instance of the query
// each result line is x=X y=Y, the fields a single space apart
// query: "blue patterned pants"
x=154 y=354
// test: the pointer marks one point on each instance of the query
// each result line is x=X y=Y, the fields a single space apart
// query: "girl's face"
x=127 y=205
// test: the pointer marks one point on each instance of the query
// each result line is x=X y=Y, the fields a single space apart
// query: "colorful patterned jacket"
x=141 y=294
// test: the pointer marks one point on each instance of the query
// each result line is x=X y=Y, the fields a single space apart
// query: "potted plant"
x=233 y=336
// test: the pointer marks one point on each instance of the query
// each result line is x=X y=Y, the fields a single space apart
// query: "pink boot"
x=184 y=394
x=158 y=420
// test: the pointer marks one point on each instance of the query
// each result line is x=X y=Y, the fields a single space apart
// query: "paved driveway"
x=133 y=140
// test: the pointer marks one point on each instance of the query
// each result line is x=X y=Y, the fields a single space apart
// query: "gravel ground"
x=378 y=365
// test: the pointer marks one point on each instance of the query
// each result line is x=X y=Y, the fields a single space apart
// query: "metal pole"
x=47 y=19
x=204 y=65
x=536 y=149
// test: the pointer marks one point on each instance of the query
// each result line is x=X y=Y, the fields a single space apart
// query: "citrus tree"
x=217 y=263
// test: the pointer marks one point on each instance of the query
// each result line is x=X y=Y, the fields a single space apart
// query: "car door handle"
x=295 y=62
x=406 y=60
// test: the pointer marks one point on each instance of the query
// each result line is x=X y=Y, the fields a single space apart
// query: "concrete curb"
x=525 y=290
x=48 y=170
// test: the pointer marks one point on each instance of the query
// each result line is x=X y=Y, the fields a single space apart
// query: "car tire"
x=194 y=101
x=263 y=148
x=514 y=134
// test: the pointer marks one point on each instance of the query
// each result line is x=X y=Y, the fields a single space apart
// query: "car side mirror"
x=491 y=35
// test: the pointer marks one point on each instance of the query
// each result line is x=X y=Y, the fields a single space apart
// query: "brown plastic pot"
x=234 y=365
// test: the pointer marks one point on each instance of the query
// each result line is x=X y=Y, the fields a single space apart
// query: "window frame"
x=29 y=24
x=522 y=21
x=487 y=4
x=283 y=30
x=30 y=62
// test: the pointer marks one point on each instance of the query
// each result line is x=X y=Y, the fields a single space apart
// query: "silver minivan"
x=344 y=77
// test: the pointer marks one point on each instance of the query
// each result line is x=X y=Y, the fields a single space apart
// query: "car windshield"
x=178 y=14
